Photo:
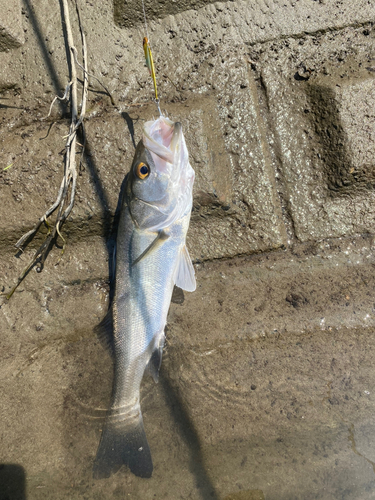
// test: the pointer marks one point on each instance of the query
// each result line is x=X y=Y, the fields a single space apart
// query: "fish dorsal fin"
x=160 y=238
x=154 y=364
x=185 y=274
x=104 y=332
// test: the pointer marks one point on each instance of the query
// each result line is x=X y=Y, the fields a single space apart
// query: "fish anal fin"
x=185 y=274
x=154 y=363
x=104 y=332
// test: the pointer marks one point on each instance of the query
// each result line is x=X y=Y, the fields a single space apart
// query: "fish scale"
x=151 y=257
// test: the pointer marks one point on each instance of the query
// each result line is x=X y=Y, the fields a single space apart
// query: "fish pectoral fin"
x=185 y=274
x=104 y=332
x=154 y=363
x=160 y=238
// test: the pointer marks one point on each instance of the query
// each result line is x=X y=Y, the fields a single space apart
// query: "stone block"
x=321 y=102
x=129 y=13
x=277 y=294
x=236 y=206
x=181 y=41
x=345 y=124
x=357 y=115
x=11 y=32
x=267 y=19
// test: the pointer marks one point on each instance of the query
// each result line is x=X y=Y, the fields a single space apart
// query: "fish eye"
x=142 y=170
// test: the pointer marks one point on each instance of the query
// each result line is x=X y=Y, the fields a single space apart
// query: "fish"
x=151 y=257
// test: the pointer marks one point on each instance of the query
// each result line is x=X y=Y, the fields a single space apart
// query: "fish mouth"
x=164 y=144
x=162 y=137
x=176 y=137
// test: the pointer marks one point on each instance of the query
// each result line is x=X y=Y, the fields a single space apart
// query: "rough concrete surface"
x=11 y=32
x=266 y=388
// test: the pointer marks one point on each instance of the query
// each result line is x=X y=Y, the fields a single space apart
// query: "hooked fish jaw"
x=165 y=194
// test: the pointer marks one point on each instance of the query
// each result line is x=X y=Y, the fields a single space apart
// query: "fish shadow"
x=188 y=432
x=130 y=123
x=112 y=235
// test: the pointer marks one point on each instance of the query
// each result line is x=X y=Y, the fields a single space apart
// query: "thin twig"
x=97 y=79
x=44 y=217
x=66 y=195
x=85 y=89
x=65 y=97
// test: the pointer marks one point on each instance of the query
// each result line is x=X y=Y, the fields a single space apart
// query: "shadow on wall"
x=12 y=482
x=128 y=13
x=58 y=86
x=342 y=175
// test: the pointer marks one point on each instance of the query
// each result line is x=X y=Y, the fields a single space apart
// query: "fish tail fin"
x=123 y=442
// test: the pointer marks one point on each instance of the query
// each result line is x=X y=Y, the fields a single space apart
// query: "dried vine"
x=66 y=195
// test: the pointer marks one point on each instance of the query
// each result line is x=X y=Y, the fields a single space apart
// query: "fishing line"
x=145 y=19
x=149 y=59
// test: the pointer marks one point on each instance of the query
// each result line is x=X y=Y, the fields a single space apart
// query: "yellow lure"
x=150 y=63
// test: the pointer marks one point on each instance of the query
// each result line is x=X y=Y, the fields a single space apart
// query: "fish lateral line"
x=160 y=238
x=139 y=309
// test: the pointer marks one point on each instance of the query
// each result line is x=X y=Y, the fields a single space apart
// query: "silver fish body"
x=151 y=257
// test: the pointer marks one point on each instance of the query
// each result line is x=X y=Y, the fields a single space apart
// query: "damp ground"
x=266 y=387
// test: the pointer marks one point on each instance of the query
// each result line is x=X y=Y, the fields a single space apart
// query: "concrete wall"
x=277 y=102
